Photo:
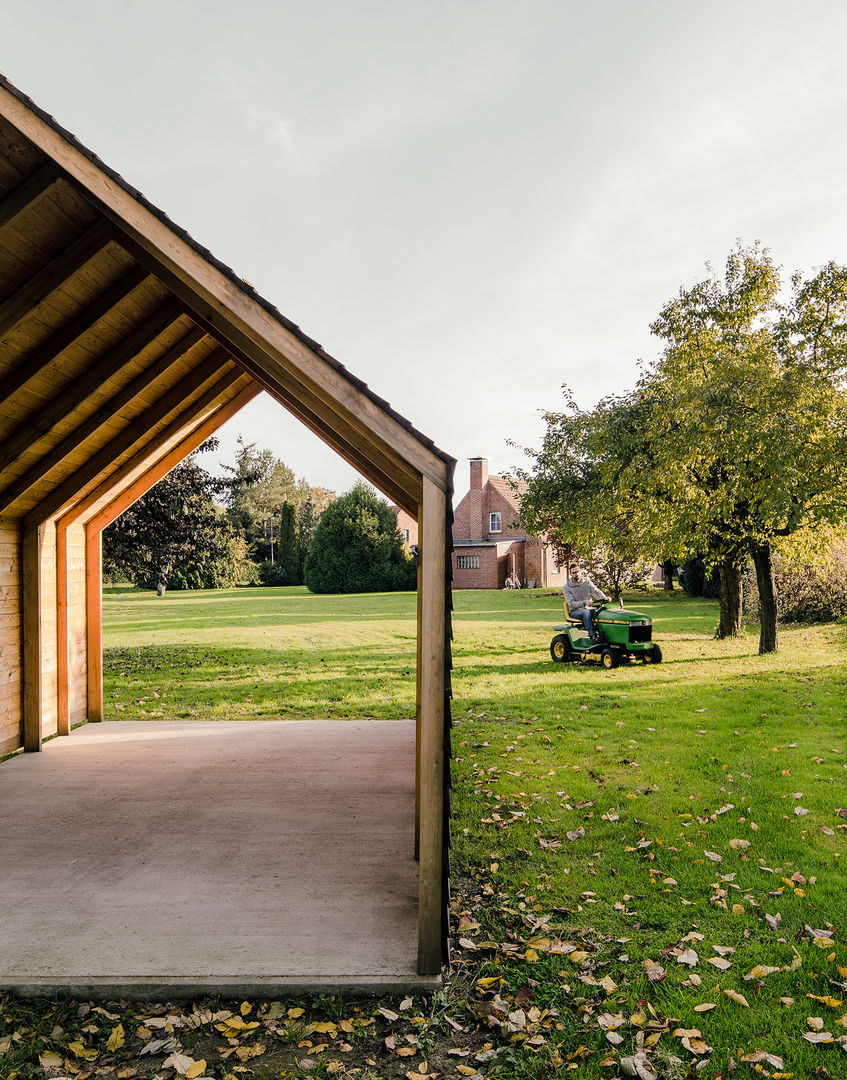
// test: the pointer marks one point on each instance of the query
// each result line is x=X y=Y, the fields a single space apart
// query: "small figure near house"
x=578 y=593
x=513 y=581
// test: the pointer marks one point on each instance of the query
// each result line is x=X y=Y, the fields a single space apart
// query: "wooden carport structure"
x=123 y=346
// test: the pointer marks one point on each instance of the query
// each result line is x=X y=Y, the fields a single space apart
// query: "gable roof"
x=120 y=336
x=504 y=487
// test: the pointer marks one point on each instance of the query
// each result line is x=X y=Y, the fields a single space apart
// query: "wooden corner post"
x=31 y=628
x=432 y=600
x=63 y=722
x=94 y=622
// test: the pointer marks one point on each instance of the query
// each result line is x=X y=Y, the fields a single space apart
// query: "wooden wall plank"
x=27 y=192
x=31 y=649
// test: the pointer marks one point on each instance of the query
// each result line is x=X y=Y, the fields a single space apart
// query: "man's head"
x=575 y=572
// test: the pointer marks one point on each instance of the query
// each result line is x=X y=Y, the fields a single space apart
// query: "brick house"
x=408 y=528
x=488 y=543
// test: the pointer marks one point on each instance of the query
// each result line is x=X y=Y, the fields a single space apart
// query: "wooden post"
x=418 y=707
x=63 y=723
x=93 y=623
x=31 y=626
x=433 y=525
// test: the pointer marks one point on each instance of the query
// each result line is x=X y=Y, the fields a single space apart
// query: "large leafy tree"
x=748 y=414
x=176 y=535
x=732 y=442
x=258 y=486
x=357 y=547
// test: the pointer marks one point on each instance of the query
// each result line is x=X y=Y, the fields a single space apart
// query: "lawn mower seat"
x=568 y=617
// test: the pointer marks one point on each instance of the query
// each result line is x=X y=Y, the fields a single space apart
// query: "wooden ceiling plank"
x=198 y=413
x=45 y=354
x=134 y=433
x=77 y=390
x=52 y=276
x=161 y=467
x=57 y=454
x=27 y=192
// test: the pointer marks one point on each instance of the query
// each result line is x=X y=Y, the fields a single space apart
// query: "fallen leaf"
x=689 y=957
x=719 y=962
x=117 y=1039
x=713 y=855
x=739 y=999
x=818 y=1037
x=815 y=1022
x=760 y=1056
x=705 y=1006
x=50 y=1060
x=739 y=845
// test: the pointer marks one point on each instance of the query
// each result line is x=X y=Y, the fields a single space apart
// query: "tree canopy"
x=175 y=535
x=357 y=547
x=731 y=442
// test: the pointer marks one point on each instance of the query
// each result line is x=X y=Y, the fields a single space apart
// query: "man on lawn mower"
x=578 y=593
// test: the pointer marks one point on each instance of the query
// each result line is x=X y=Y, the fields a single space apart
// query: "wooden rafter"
x=53 y=276
x=79 y=389
x=57 y=454
x=27 y=192
x=206 y=406
x=136 y=432
x=36 y=361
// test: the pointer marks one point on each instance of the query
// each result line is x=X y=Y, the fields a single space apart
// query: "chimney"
x=479 y=478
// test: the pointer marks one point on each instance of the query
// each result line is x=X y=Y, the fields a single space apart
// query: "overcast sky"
x=468 y=203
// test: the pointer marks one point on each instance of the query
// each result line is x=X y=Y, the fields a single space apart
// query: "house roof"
x=120 y=335
x=511 y=490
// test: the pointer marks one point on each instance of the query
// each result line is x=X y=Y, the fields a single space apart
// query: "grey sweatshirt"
x=578 y=594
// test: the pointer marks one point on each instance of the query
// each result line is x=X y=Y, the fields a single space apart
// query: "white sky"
x=467 y=202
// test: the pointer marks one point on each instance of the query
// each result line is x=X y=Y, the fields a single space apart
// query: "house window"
x=495 y=523
x=467 y=562
x=404 y=535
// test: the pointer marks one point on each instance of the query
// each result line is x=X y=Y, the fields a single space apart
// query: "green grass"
x=596 y=820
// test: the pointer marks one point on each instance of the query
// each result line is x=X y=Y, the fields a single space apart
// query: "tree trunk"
x=160 y=588
x=667 y=575
x=729 y=584
x=763 y=561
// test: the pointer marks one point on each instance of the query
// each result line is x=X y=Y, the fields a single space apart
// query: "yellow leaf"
x=608 y=984
x=80 y=1051
x=737 y=909
x=326 y=1028
x=705 y=1006
x=246 y=1008
x=739 y=999
x=822 y=942
x=50 y=1060
x=577 y=956
x=466 y=1070
x=489 y=982
x=638 y=1018
x=295 y=1014
x=815 y=1022
x=117 y=1038
x=531 y=955
x=197 y=1069
x=830 y=1002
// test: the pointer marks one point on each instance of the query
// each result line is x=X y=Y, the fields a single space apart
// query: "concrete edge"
x=259 y=988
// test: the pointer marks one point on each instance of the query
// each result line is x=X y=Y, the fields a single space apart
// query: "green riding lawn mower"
x=624 y=635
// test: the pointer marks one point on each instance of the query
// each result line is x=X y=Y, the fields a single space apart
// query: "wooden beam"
x=113 y=510
x=27 y=192
x=433 y=593
x=57 y=454
x=235 y=309
x=336 y=436
x=94 y=624
x=35 y=362
x=31 y=634
x=239 y=320
x=53 y=275
x=63 y=723
x=135 y=432
x=84 y=509
x=79 y=389
x=418 y=684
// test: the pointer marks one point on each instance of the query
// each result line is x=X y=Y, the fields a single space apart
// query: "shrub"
x=805 y=593
x=357 y=548
x=274 y=573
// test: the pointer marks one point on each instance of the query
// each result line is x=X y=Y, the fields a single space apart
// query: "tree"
x=289 y=550
x=357 y=547
x=588 y=491
x=258 y=486
x=175 y=535
x=748 y=414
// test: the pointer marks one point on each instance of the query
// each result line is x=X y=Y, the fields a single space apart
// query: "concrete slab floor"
x=163 y=858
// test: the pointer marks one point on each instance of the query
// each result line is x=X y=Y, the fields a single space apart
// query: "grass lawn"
x=647 y=862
